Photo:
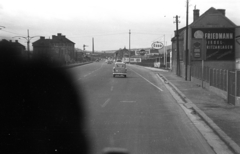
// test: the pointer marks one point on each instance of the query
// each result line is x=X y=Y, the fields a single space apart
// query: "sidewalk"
x=225 y=116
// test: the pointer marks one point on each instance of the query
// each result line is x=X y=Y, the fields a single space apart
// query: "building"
x=211 y=37
x=15 y=46
x=210 y=53
x=58 y=49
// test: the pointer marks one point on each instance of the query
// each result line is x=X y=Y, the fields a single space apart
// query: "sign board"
x=142 y=52
x=198 y=49
x=157 y=45
x=133 y=60
x=219 y=42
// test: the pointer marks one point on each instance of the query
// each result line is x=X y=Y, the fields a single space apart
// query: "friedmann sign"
x=220 y=43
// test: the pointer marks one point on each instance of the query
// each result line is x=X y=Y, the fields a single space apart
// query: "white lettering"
x=217 y=36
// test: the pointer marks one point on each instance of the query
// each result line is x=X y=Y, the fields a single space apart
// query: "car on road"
x=109 y=62
x=120 y=69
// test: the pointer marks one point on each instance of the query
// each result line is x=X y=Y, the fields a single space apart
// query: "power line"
x=94 y=35
x=9 y=32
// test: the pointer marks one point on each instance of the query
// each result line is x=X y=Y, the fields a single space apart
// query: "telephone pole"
x=129 y=45
x=92 y=45
x=177 y=39
x=187 y=57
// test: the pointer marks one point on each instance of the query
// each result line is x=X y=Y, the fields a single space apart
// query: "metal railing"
x=220 y=78
x=215 y=77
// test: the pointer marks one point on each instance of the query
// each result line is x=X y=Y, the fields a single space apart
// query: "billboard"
x=219 y=42
x=132 y=60
x=142 y=52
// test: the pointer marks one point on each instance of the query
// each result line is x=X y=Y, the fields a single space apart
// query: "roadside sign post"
x=199 y=53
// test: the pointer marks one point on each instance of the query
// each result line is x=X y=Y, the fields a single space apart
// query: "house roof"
x=212 y=17
x=209 y=18
x=55 y=39
x=14 y=44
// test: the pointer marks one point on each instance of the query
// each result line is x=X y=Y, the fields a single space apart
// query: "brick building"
x=211 y=37
x=213 y=57
x=58 y=49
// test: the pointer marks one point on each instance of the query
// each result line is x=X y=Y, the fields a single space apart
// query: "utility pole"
x=129 y=45
x=92 y=45
x=186 y=58
x=164 y=51
x=177 y=39
x=28 y=38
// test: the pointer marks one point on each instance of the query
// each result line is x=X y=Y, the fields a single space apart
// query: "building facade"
x=211 y=37
x=210 y=54
x=58 y=49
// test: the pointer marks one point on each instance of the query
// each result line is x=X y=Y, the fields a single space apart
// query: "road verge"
x=190 y=105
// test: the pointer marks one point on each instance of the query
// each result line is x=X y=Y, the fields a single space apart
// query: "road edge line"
x=222 y=135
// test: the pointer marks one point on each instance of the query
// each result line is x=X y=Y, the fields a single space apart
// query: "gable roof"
x=61 y=40
x=42 y=42
x=212 y=18
x=55 y=39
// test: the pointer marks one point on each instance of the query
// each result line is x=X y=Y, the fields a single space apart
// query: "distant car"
x=109 y=62
x=119 y=60
x=120 y=69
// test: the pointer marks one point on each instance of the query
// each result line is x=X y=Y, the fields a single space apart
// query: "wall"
x=227 y=65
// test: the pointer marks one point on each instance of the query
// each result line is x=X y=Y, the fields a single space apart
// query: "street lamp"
x=28 y=38
x=2 y=27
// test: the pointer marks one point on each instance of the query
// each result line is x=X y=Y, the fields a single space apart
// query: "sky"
x=107 y=21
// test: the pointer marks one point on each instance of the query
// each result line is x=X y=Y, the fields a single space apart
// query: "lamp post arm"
x=21 y=37
x=33 y=37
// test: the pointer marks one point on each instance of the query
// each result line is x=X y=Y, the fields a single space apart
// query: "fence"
x=222 y=79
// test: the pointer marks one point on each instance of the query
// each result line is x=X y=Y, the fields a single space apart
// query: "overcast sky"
x=107 y=21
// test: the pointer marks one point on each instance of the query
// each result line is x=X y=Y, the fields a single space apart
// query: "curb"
x=189 y=104
x=74 y=65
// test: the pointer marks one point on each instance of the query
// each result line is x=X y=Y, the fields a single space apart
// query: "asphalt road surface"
x=137 y=113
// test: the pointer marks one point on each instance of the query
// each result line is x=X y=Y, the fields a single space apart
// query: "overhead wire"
x=10 y=32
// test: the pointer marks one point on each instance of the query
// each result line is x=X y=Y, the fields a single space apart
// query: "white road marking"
x=128 y=101
x=91 y=72
x=147 y=80
x=105 y=103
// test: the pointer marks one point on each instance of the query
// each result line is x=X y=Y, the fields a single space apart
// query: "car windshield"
x=78 y=76
x=120 y=65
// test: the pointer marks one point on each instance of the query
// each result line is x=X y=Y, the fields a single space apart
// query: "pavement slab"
x=224 y=115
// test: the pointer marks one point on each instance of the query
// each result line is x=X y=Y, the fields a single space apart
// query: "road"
x=137 y=113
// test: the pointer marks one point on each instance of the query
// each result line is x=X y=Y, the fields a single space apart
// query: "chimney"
x=222 y=11
x=42 y=37
x=195 y=14
x=16 y=41
x=53 y=37
x=59 y=34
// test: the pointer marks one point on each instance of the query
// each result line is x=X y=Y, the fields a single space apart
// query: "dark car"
x=120 y=69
